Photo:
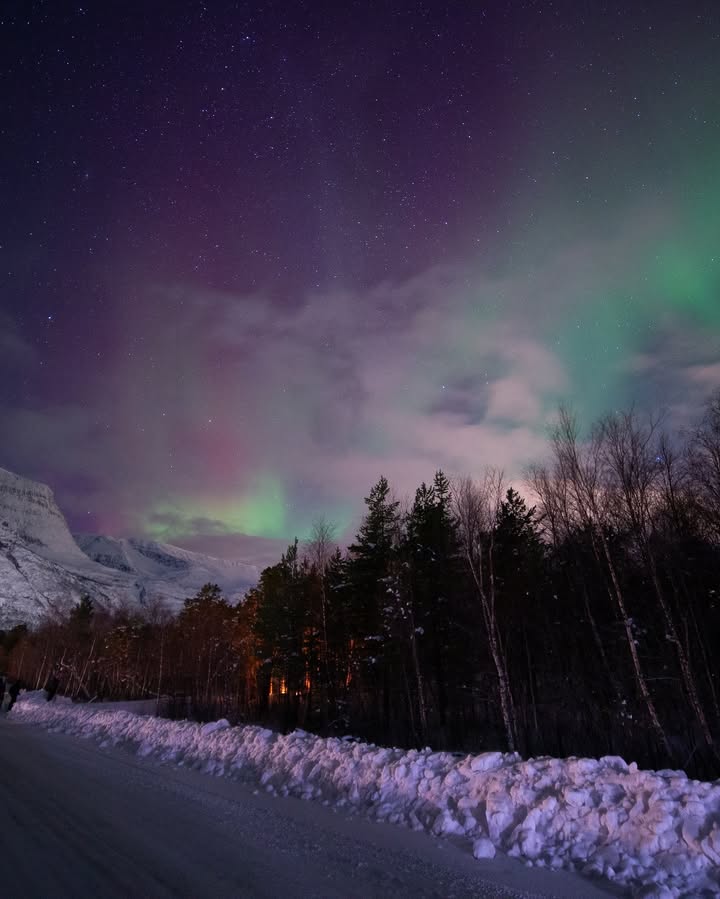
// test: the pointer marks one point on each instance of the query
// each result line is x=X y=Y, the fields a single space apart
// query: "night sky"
x=255 y=255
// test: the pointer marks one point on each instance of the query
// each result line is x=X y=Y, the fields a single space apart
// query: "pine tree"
x=205 y=627
x=81 y=616
x=369 y=569
x=431 y=551
x=288 y=635
x=523 y=607
x=518 y=545
x=370 y=558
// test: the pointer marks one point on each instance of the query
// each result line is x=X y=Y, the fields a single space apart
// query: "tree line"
x=467 y=619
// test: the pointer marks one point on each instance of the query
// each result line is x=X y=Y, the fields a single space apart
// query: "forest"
x=468 y=618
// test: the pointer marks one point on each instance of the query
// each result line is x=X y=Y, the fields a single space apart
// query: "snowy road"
x=82 y=821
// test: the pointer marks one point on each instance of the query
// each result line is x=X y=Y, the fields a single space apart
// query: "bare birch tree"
x=630 y=453
x=476 y=506
x=581 y=468
x=551 y=492
x=704 y=457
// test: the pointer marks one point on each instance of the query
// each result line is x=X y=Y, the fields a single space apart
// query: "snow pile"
x=657 y=832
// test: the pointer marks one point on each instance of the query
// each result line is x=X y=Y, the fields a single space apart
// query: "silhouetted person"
x=2 y=690
x=13 y=693
x=51 y=688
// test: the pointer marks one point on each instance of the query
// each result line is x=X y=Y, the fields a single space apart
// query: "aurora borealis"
x=255 y=255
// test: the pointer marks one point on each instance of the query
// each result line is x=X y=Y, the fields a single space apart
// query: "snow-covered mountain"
x=43 y=570
x=167 y=572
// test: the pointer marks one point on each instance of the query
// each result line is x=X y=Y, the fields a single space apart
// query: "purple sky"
x=254 y=256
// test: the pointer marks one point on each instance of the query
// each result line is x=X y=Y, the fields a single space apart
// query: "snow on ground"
x=656 y=832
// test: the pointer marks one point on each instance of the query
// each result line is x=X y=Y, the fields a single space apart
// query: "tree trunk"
x=632 y=646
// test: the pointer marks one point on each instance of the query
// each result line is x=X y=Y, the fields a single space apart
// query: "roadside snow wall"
x=657 y=832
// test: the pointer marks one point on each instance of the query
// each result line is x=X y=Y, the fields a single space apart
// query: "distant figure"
x=51 y=687
x=13 y=692
x=2 y=690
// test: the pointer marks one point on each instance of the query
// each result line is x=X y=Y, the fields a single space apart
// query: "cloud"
x=707 y=376
x=168 y=524
x=324 y=393
x=677 y=371
x=321 y=393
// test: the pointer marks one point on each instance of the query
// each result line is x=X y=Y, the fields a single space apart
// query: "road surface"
x=77 y=820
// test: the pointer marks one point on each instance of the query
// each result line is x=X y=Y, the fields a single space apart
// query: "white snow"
x=656 y=832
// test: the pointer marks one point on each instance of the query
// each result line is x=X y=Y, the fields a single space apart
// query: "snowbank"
x=657 y=832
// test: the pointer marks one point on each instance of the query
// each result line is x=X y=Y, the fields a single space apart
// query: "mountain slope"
x=165 y=571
